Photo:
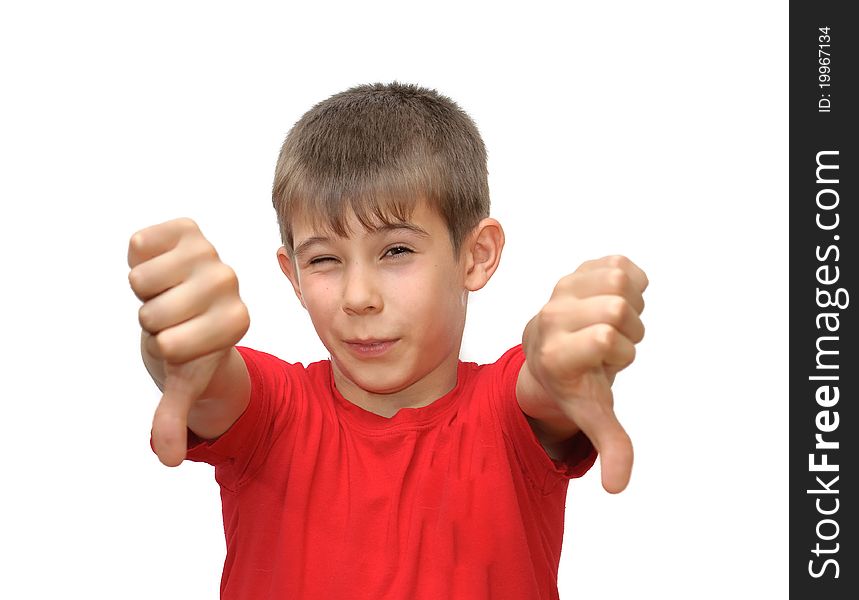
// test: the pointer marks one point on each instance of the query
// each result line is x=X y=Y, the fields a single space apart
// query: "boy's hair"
x=376 y=150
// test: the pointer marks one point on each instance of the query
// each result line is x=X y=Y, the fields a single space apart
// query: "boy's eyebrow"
x=306 y=244
x=387 y=227
x=419 y=231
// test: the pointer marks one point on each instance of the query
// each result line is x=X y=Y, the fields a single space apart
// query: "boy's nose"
x=361 y=295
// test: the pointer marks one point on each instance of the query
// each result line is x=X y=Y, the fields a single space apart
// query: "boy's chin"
x=395 y=372
x=375 y=379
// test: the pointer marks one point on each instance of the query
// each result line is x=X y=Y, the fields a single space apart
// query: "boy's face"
x=388 y=304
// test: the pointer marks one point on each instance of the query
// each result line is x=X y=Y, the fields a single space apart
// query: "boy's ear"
x=482 y=253
x=288 y=268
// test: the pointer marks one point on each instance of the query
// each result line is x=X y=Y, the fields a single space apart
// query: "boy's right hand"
x=191 y=317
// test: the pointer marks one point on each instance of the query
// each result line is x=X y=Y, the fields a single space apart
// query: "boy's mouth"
x=369 y=347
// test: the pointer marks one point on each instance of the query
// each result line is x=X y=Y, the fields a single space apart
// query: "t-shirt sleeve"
x=539 y=467
x=242 y=449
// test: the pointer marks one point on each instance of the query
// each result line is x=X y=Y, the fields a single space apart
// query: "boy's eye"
x=320 y=259
x=398 y=251
x=393 y=252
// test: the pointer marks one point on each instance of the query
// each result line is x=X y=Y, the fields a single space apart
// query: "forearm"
x=224 y=400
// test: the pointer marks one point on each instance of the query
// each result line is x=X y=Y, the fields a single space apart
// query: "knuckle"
x=137 y=241
x=224 y=277
x=169 y=346
x=208 y=249
x=146 y=317
x=229 y=274
x=617 y=310
x=550 y=356
x=135 y=279
x=564 y=285
x=550 y=316
x=187 y=224
x=604 y=337
x=632 y=353
x=151 y=345
x=163 y=345
x=587 y=265
x=203 y=251
x=618 y=280
x=618 y=261
x=239 y=317
x=628 y=358
x=244 y=314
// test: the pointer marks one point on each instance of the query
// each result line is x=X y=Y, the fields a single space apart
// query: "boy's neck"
x=423 y=392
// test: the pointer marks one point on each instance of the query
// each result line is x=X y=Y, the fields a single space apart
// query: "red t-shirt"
x=325 y=500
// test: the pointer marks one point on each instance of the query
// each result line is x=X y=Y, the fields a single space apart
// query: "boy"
x=392 y=470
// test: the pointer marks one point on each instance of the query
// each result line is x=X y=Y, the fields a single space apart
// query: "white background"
x=653 y=129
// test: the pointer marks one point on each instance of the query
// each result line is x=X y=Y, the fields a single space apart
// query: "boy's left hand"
x=579 y=341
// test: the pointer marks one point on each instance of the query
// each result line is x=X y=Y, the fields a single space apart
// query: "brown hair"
x=376 y=150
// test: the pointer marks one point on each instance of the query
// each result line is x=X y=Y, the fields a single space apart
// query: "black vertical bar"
x=824 y=367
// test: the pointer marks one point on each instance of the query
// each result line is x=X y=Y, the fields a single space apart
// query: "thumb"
x=598 y=421
x=616 y=456
x=183 y=384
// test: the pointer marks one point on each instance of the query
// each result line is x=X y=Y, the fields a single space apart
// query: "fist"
x=191 y=317
x=579 y=341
